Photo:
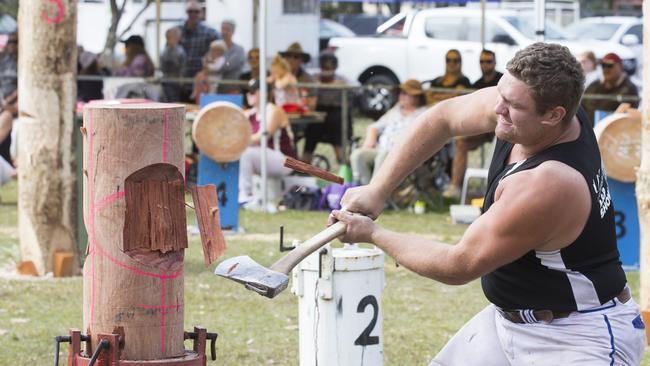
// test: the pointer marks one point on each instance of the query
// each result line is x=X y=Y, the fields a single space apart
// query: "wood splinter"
x=207 y=217
x=302 y=167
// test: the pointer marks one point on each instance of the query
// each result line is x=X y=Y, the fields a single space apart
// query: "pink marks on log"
x=56 y=17
x=102 y=203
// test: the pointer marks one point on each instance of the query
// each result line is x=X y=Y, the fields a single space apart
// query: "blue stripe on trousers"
x=611 y=340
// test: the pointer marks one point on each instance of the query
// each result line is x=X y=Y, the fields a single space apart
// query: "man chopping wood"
x=545 y=247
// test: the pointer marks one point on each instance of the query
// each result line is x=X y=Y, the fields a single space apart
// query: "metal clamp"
x=197 y=336
x=104 y=344
x=64 y=339
x=284 y=248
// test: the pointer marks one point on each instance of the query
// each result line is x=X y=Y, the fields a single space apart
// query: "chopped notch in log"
x=155 y=219
x=207 y=217
x=302 y=167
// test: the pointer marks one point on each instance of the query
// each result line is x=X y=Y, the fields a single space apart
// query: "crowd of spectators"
x=8 y=104
x=198 y=52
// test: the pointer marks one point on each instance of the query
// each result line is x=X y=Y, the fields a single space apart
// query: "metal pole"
x=540 y=15
x=158 y=31
x=263 y=99
x=482 y=24
x=344 y=127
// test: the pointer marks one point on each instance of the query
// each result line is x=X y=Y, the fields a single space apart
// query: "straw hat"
x=412 y=87
x=295 y=49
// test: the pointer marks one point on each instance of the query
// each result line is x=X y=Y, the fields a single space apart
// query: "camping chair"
x=426 y=182
x=478 y=173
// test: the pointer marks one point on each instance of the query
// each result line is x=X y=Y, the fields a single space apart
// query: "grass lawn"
x=419 y=315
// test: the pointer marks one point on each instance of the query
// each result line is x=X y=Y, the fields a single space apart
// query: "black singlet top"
x=581 y=276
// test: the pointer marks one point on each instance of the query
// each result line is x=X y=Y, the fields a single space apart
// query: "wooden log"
x=135 y=217
x=47 y=87
x=302 y=167
x=619 y=141
x=221 y=131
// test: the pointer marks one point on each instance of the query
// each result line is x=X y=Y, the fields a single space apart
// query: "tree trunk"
x=111 y=36
x=134 y=211
x=47 y=66
x=643 y=178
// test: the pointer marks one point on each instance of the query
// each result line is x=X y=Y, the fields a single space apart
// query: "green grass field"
x=419 y=315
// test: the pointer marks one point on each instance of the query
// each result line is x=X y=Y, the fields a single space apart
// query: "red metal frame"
x=111 y=357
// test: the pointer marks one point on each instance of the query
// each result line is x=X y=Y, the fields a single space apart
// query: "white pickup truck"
x=413 y=45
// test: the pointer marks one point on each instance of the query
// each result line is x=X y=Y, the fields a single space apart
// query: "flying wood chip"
x=302 y=167
x=207 y=217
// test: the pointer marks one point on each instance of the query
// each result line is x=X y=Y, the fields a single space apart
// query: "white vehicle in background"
x=413 y=45
x=626 y=31
x=296 y=21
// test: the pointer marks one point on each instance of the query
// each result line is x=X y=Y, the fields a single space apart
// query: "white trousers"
x=611 y=336
x=250 y=163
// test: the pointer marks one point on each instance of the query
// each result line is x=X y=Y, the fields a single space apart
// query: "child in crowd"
x=213 y=61
x=284 y=82
x=172 y=61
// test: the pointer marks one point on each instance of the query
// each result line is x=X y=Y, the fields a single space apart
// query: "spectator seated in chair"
x=452 y=79
x=137 y=62
x=249 y=163
x=382 y=135
x=329 y=101
x=614 y=82
x=465 y=144
x=9 y=99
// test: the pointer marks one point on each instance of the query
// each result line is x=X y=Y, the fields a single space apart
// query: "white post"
x=158 y=32
x=263 y=99
x=540 y=15
x=340 y=312
x=482 y=24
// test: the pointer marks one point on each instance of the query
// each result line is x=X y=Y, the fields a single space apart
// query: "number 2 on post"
x=365 y=339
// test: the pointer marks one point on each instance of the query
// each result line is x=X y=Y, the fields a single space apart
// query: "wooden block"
x=27 y=268
x=63 y=262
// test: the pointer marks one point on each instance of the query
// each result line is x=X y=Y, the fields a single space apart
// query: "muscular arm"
x=544 y=209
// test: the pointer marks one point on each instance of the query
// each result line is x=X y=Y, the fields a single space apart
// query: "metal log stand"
x=108 y=350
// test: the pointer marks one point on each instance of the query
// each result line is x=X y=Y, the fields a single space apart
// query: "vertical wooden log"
x=133 y=275
x=47 y=66
x=643 y=178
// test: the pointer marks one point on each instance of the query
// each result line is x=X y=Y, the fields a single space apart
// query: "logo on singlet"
x=601 y=189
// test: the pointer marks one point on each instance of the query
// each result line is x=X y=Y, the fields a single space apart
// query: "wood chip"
x=207 y=218
x=299 y=166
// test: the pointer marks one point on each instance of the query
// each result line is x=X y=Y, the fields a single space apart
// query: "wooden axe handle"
x=286 y=263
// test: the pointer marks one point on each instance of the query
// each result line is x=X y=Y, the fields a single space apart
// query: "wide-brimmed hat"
x=295 y=49
x=412 y=87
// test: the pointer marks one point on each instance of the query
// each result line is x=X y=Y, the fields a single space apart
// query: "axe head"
x=253 y=276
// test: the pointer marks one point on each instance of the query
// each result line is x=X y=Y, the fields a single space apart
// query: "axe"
x=271 y=281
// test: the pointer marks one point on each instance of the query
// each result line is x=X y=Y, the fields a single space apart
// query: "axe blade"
x=253 y=275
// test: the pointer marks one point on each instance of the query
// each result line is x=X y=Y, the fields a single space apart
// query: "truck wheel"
x=377 y=100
